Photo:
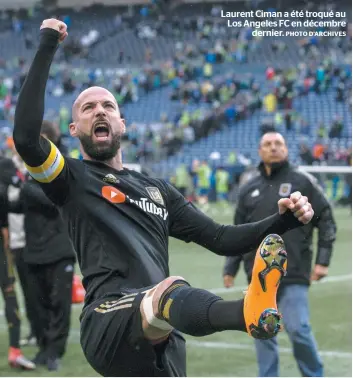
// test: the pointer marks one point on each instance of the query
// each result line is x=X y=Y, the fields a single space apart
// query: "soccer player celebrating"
x=120 y=221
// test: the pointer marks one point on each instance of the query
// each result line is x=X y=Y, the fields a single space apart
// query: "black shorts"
x=7 y=271
x=113 y=342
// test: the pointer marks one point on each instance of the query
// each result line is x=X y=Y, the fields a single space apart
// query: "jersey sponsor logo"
x=110 y=178
x=255 y=193
x=114 y=195
x=284 y=189
x=149 y=207
x=155 y=194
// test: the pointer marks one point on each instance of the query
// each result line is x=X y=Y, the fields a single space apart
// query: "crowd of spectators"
x=208 y=100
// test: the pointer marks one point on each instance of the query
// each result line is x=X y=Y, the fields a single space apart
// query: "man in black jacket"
x=50 y=259
x=276 y=179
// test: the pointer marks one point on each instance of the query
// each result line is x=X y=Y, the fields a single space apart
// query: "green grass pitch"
x=232 y=353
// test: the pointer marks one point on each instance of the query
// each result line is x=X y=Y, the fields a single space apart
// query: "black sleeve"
x=35 y=194
x=43 y=159
x=327 y=236
x=324 y=221
x=232 y=263
x=190 y=225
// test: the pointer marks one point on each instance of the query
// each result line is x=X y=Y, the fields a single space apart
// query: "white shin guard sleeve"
x=151 y=319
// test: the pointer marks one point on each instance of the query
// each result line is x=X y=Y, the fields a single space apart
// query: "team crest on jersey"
x=110 y=178
x=284 y=189
x=155 y=194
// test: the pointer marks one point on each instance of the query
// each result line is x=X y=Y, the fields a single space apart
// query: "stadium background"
x=192 y=89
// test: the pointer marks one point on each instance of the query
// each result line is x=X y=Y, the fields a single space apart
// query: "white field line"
x=222 y=345
x=75 y=338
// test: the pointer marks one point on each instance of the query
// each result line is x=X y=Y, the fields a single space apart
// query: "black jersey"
x=119 y=221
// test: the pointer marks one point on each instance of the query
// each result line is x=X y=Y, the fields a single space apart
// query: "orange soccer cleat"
x=262 y=318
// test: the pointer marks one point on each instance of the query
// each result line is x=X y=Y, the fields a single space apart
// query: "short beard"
x=100 y=152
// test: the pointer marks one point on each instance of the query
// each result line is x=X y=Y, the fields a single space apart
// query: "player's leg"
x=22 y=273
x=59 y=278
x=39 y=293
x=174 y=304
x=295 y=307
x=126 y=336
x=204 y=193
x=12 y=313
x=114 y=344
x=223 y=199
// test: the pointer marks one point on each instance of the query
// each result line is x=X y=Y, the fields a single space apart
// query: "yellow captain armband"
x=50 y=169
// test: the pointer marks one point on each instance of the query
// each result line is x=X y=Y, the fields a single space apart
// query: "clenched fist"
x=57 y=25
x=298 y=205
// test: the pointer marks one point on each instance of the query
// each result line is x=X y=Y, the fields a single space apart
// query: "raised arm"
x=43 y=160
x=191 y=225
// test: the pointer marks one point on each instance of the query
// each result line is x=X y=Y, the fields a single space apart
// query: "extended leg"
x=174 y=304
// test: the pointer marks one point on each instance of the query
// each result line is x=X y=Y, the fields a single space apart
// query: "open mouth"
x=101 y=130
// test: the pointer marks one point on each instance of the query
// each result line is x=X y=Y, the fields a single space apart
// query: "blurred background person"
x=182 y=179
x=222 y=179
x=7 y=275
x=13 y=176
x=203 y=172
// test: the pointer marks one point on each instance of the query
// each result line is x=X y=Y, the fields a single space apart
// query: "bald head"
x=273 y=148
x=92 y=94
x=97 y=123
